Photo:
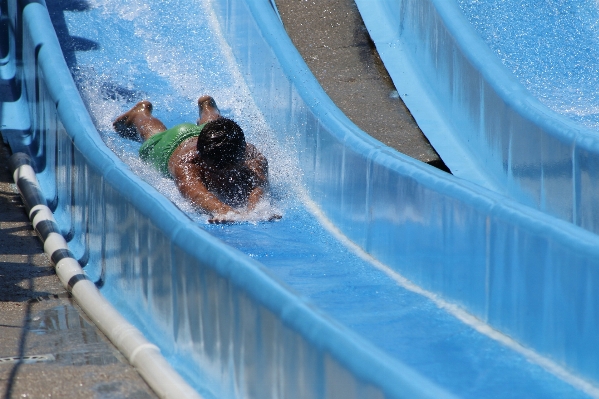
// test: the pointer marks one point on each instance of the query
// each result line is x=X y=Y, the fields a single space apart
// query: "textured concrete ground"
x=331 y=37
x=48 y=349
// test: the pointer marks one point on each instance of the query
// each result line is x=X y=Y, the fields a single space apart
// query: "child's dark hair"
x=222 y=143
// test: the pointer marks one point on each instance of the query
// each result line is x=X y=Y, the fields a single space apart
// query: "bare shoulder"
x=256 y=162
x=252 y=154
x=251 y=151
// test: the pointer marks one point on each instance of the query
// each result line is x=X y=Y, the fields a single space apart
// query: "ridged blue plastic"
x=222 y=319
x=485 y=125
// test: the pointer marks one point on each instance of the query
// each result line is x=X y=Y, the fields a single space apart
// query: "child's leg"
x=138 y=122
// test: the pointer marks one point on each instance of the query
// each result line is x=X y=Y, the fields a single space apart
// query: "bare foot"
x=205 y=98
x=124 y=125
x=208 y=110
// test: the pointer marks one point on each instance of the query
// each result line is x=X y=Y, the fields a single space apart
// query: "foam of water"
x=551 y=46
x=146 y=58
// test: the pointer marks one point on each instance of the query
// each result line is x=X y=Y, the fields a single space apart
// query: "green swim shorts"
x=158 y=149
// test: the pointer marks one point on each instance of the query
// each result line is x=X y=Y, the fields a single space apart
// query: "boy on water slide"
x=211 y=163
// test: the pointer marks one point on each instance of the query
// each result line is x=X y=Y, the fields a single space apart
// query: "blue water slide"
x=385 y=277
x=485 y=124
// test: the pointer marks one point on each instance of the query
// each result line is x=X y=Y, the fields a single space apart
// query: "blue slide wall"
x=507 y=264
x=218 y=315
x=485 y=125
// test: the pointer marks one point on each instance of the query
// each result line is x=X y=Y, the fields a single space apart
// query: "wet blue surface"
x=404 y=324
x=552 y=47
x=166 y=52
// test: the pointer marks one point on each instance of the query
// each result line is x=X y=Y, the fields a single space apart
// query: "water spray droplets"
x=171 y=53
x=552 y=48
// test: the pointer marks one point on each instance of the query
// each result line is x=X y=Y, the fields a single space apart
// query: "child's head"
x=221 y=143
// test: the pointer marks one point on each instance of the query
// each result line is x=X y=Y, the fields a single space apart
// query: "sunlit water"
x=171 y=64
x=171 y=52
x=551 y=46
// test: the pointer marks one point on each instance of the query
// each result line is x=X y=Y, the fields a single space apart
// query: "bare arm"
x=255 y=197
x=190 y=185
x=186 y=172
x=258 y=164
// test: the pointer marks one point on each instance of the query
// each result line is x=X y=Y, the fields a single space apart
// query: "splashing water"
x=170 y=52
x=551 y=46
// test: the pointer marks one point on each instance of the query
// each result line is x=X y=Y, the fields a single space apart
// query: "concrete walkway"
x=331 y=37
x=48 y=348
